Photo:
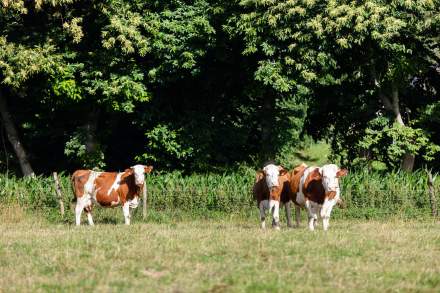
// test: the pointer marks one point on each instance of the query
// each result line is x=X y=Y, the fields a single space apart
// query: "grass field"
x=217 y=256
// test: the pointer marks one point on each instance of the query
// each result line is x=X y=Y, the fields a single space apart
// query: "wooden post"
x=145 y=194
x=59 y=194
x=431 y=191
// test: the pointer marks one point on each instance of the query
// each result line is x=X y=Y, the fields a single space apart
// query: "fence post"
x=432 y=198
x=144 y=207
x=59 y=194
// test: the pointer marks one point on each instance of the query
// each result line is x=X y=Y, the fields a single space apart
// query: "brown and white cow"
x=108 y=189
x=316 y=189
x=271 y=188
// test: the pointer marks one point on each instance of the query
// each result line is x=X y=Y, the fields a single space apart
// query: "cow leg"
x=326 y=211
x=262 y=206
x=297 y=215
x=88 y=210
x=312 y=215
x=274 y=207
x=90 y=219
x=288 y=214
x=78 y=211
x=126 y=211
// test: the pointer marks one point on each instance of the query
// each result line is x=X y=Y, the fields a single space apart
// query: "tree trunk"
x=13 y=138
x=393 y=105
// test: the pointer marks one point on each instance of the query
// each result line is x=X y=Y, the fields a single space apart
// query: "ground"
x=231 y=255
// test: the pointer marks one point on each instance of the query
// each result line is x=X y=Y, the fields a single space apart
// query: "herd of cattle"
x=314 y=188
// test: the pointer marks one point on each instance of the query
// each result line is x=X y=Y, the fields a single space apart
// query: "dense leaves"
x=203 y=85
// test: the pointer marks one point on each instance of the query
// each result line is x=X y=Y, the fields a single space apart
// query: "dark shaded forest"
x=210 y=85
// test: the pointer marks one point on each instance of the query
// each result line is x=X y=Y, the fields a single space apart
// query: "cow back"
x=295 y=177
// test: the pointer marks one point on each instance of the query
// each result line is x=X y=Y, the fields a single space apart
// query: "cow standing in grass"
x=316 y=189
x=108 y=189
x=271 y=189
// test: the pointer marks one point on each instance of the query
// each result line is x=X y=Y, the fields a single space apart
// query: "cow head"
x=139 y=173
x=271 y=173
x=330 y=178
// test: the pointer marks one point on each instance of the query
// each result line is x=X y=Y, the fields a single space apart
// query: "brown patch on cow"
x=126 y=190
x=260 y=190
x=128 y=186
x=313 y=189
x=79 y=179
x=148 y=169
x=103 y=183
x=295 y=179
x=280 y=193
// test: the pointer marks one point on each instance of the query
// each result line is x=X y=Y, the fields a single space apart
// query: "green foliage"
x=213 y=84
x=388 y=142
x=18 y=62
x=76 y=150
x=166 y=145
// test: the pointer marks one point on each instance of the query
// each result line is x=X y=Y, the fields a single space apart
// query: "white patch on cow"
x=325 y=223
x=139 y=174
x=86 y=199
x=90 y=219
x=78 y=211
x=329 y=179
x=115 y=184
x=272 y=173
x=327 y=207
x=300 y=198
x=126 y=211
x=274 y=207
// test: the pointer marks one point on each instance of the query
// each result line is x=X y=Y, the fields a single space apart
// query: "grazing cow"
x=316 y=189
x=108 y=189
x=270 y=189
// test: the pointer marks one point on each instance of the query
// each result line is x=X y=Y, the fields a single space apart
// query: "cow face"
x=139 y=173
x=271 y=174
x=330 y=177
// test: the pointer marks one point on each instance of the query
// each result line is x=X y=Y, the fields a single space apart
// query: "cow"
x=271 y=188
x=108 y=189
x=317 y=190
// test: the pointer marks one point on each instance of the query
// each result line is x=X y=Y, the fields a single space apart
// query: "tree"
x=365 y=53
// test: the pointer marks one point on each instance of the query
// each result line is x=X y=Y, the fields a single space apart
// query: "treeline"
x=207 y=85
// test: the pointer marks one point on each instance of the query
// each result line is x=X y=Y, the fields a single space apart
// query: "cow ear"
x=148 y=169
x=341 y=172
x=259 y=175
x=282 y=171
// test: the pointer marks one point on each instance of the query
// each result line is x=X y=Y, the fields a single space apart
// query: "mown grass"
x=217 y=256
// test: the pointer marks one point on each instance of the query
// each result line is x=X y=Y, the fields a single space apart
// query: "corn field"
x=366 y=194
